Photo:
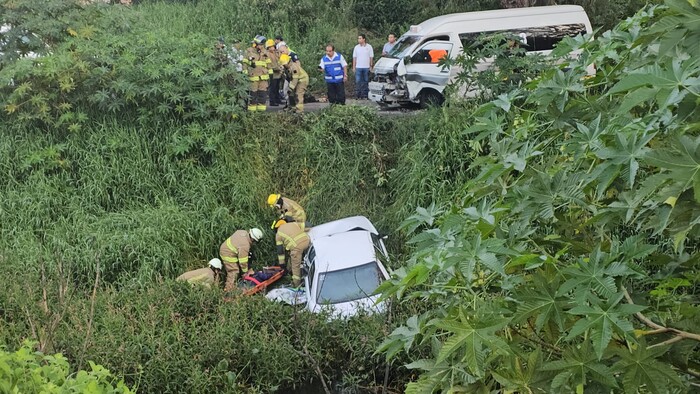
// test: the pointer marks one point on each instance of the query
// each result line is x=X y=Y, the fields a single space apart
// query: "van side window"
x=532 y=39
x=432 y=52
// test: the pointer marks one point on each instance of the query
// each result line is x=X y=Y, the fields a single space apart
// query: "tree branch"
x=92 y=312
x=658 y=329
x=538 y=341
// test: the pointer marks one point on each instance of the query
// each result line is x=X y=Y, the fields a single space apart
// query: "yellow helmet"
x=272 y=199
x=284 y=58
x=277 y=223
x=269 y=43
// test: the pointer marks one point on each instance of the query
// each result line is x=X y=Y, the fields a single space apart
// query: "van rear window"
x=533 y=39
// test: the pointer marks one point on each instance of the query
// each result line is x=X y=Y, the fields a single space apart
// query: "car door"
x=423 y=69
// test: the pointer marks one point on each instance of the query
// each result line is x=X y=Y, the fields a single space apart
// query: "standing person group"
x=272 y=67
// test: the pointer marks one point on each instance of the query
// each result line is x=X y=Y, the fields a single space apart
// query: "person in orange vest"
x=234 y=252
x=290 y=210
x=291 y=241
x=206 y=276
x=436 y=55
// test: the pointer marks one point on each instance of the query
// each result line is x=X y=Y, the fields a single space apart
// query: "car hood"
x=385 y=65
x=349 y=309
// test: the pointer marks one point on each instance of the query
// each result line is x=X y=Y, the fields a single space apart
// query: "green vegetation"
x=125 y=160
x=27 y=371
x=563 y=254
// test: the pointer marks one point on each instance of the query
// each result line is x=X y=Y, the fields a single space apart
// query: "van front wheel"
x=431 y=98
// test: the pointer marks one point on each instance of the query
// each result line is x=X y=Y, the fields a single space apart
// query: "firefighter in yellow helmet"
x=274 y=91
x=259 y=67
x=289 y=210
x=292 y=241
x=235 y=251
x=298 y=80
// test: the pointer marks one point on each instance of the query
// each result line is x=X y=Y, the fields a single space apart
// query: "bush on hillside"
x=566 y=259
x=29 y=371
x=115 y=67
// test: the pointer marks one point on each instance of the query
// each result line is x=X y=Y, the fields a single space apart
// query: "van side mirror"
x=406 y=60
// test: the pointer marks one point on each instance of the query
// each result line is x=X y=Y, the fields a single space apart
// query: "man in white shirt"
x=389 y=45
x=279 y=42
x=335 y=72
x=362 y=63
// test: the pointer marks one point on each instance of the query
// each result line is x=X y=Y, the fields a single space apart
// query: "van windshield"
x=402 y=45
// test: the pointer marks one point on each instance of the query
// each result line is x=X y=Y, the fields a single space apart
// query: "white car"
x=344 y=267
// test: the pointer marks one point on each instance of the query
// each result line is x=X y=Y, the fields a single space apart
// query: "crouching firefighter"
x=298 y=81
x=235 y=253
x=206 y=276
x=292 y=242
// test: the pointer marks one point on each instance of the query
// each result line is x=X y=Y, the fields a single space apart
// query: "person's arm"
x=280 y=250
x=354 y=58
x=371 y=57
x=345 y=68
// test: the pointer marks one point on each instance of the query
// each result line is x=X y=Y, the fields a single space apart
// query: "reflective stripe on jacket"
x=290 y=236
x=293 y=210
x=236 y=248
x=333 y=68
x=259 y=64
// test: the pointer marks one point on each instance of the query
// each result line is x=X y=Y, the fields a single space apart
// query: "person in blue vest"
x=335 y=71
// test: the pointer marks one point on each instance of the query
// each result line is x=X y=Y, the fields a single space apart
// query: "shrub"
x=31 y=372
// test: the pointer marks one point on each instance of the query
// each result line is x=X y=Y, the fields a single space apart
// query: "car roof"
x=341 y=226
x=491 y=16
x=343 y=250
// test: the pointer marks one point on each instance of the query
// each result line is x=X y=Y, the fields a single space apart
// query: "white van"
x=407 y=74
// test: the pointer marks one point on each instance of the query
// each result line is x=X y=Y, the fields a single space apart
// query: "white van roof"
x=446 y=23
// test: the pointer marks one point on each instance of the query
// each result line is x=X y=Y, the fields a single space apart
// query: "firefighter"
x=274 y=92
x=291 y=242
x=259 y=66
x=298 y=80
x=290 y=210
x=204 y=277
x=235 y=254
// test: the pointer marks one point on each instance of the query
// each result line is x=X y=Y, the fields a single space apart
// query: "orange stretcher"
x=275 y=273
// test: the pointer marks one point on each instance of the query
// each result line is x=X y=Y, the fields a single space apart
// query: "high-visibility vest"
x=333 y=68
x=235 y=249
x=436 y=55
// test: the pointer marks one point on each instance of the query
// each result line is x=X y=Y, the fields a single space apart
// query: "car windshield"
x=402 y=45
x=349 y=284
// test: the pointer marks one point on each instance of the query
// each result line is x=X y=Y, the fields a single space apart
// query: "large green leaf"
x=470 y=342
x=640 y=368
x=576 y=365
x=682 y=161
x=540 y=299
x=601 y=321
